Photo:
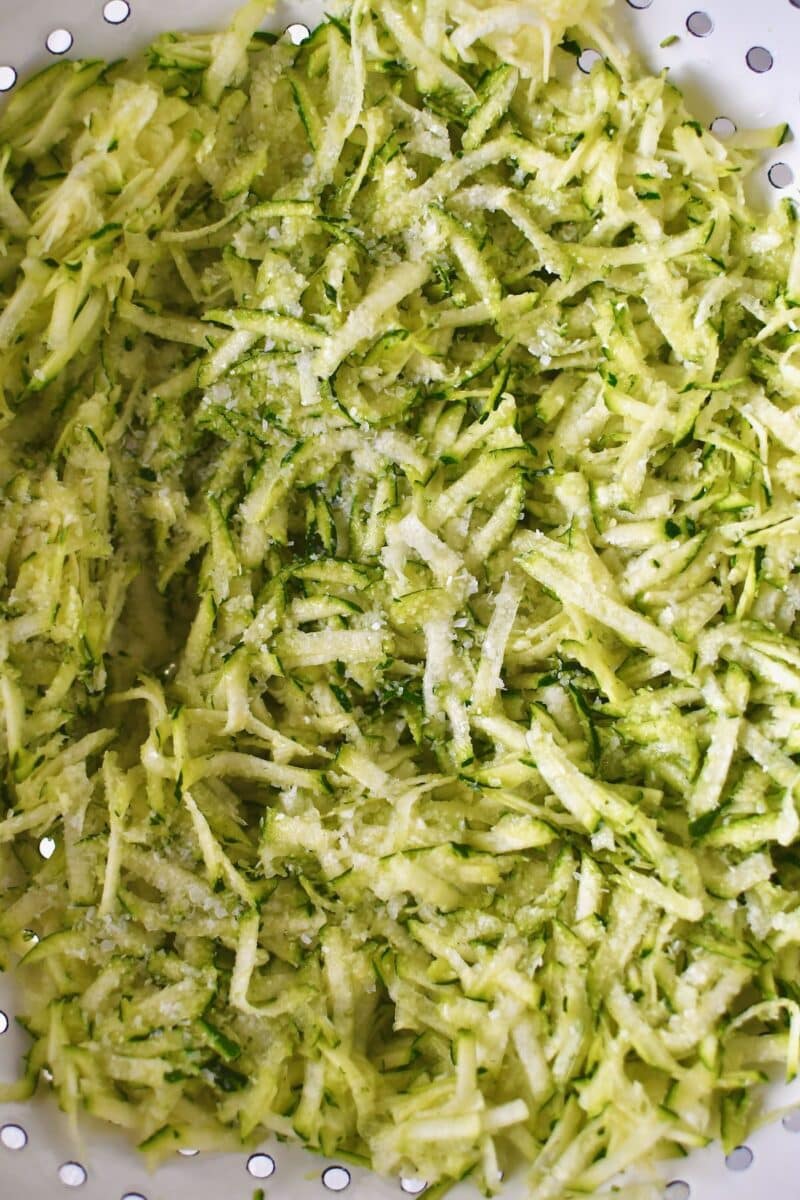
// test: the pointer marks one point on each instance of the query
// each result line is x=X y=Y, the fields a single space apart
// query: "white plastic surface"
x=737 y=60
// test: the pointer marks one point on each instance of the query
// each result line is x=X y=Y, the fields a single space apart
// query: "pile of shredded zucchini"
x=400 y=464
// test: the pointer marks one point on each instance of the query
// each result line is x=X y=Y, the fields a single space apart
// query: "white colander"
x=737 y=61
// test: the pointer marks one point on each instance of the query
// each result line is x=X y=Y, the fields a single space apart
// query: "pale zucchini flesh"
x=399 y=598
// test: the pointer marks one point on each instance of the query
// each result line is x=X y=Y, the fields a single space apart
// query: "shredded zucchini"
x=400 y=465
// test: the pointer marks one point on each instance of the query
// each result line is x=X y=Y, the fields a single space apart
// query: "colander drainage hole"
x=336 y=1179
x=72 y=1174
x=722 y=127
x=59 y=41
x=739 y=1159
x=261 y=1166
x=13 y=1137
x=589 y=59
x=297 y=33
x=759 y=59
x=116 y=12
x=699 y=24
x=780 y=175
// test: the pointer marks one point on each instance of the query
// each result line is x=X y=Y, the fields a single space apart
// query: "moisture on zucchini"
x=399 y=596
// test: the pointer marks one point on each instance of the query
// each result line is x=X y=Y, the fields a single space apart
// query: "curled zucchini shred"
x=399 y=590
